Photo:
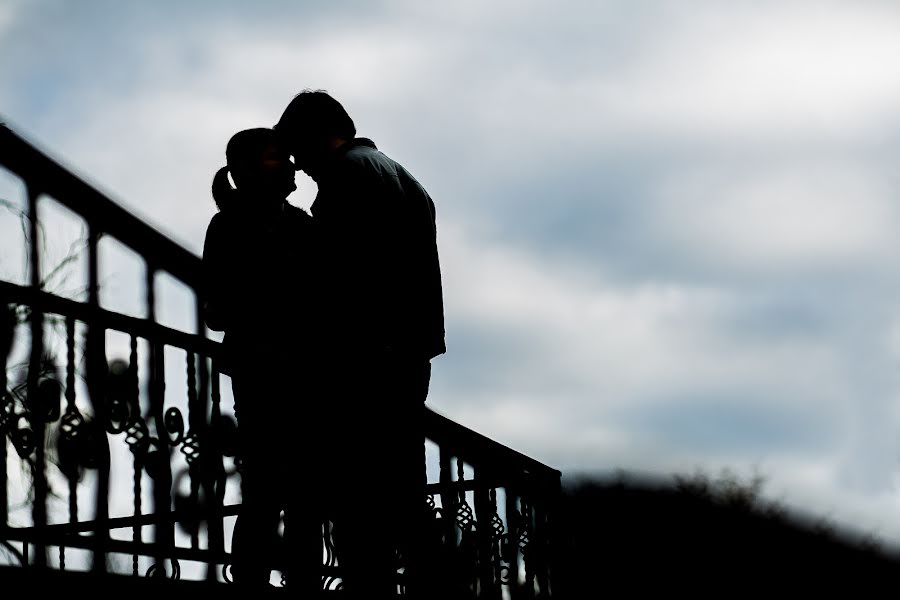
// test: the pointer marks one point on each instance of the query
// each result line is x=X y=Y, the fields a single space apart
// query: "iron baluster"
x=35 y=366
x=484 y=514
x=512 y=543
x=135 y=417
x=525 y=547
x=215 y=477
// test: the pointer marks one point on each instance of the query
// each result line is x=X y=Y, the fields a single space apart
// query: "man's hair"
x=314 y=113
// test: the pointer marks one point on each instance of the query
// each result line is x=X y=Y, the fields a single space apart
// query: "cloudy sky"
x=668 y=229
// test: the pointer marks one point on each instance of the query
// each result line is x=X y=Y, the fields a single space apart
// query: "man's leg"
x=364 y=485
x=303 y=540
x=365 y=551
x=410 y=384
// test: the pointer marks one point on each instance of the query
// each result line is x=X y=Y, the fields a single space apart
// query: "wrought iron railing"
x=490 y=508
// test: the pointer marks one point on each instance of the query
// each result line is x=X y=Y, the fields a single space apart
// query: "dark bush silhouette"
x=703 y=537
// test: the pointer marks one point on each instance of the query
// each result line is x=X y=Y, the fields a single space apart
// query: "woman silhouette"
x=253 y=287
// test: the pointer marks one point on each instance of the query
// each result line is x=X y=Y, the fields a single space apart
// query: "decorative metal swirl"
x=505 y=572
x=137 y=436
x=7 y=413
x=116 y=416
x=330 y=582
x=68 y=445
x=23 y=438
x=524 y=538
x=497 y=528
x=119 y=390
x=464 y=516
x=509 y=568
x=191 y=448
x=72 y=423
x=159 y=570
x=174 y=424
x=498 y=547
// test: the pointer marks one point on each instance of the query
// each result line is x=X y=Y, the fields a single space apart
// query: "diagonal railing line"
x=469 y=516
x=51 y=178
x=113 y=545
x=478 y=449
x=475 y=448
x=107 y=319
x=175 y=516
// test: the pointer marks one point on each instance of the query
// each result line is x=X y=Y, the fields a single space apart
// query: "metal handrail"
x=495 y=465
x=107 y=319
x=34 y=166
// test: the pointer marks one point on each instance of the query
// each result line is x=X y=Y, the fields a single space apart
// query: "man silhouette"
x=382 y=321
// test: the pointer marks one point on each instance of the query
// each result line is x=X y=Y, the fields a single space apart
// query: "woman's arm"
x=215 y=272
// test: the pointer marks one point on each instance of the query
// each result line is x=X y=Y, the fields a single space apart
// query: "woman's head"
x=259 y=166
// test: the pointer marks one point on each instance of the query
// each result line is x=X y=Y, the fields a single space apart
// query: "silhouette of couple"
x=331 y=321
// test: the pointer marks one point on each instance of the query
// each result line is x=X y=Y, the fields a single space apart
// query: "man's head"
x=312 y=126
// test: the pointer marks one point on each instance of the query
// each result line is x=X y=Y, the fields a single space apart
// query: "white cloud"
x=728 y=75
x=156 y=144
x=596 y=347
x=9 y=12
x=769 y=106
x=798 y=214
x=740 y=73
x=599 y=368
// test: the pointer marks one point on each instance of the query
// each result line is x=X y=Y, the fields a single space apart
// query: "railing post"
x=4 y=485
x=35 y=365
x=475 y=553
x=191 y=442
x=135 y=420
x=484 y=514
x=7 y=334
x=69 y=425
x=527 y=543
x=97 y=375
x=448 y=499
x=540 y=544
x=512 y=542
x=214 y=476
x=201 y=424
x=159 y=458
x=161 y=463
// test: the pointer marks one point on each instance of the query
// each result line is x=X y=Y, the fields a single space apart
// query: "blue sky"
x=668 y=230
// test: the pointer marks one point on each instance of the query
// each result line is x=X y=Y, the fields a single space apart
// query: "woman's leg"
x=256 y=528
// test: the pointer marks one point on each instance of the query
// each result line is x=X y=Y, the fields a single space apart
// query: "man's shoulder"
x=295 y=212
x=363 y=155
